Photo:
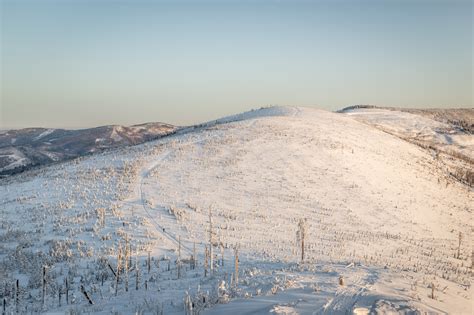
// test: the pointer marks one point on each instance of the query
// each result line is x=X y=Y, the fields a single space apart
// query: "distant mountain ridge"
x=23 y=149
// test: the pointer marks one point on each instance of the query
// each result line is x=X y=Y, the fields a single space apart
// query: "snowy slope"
x=418 y=127
x=380 y=212
x=450 y=139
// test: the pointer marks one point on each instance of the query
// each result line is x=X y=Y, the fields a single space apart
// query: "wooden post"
x=432 y=290
x=4 y=306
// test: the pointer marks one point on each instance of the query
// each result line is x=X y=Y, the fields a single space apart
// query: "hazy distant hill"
x=24 y=148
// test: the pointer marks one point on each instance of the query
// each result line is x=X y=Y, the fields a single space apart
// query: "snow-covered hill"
x=382 y=218
x=23 y=149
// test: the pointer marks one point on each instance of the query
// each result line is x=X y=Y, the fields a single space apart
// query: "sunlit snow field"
x=382 y=214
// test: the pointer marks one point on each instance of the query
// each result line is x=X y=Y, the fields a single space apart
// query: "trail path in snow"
x=138 y=202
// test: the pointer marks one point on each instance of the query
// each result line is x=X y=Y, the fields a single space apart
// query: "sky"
x=74 y=64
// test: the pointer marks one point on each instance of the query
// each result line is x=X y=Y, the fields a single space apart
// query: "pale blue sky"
x=69 y=63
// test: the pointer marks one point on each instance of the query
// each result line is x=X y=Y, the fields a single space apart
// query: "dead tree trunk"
x=179 y=247
x=194 y=256
x=59 y=295
x=136 y=274
x=205 y=261
x=17 y=296
x=126 y=280
x=211 y=254
x=301 y=235
x=125 y=257
x=178 y=262
x=472 y=259
x=43 y=281
x=148 y=263
x=67 y=291
x=302 y=249
x=130 y=255
x=126 y=264
x=222 y=255
x=117 y=274
x=459 y=245
x=86 y=295
x=236 y=266
x=111 y=269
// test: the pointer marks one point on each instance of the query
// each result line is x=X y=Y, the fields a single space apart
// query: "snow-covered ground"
x=451 y=144
x=382 y=218
x=417 y=127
